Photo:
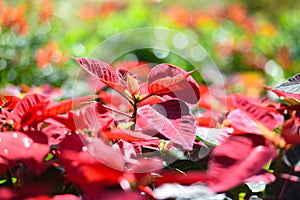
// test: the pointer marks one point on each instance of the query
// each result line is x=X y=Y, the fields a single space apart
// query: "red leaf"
x=29 y=110
x=166 y=79
x=290 y=131
x=6 y=194
x=231 y=164
x=151 y=100
x=167 y=84
x=96 y=166
x=87 y=172
x=54 y=134
x=230 y=167
x=67 y=105
x=103 y=116
x=56 y=197
x=268 y=118
x=95 y=117
x=103 y=71
x=37 y=136
x=187 y=178
x=18 y=146
x=70 y=120
x=8 y=102
x=118 y=195
x=172 y=119
x=118 y=134
x=74 y=142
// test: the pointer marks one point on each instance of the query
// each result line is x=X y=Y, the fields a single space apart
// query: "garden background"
x=246 y=50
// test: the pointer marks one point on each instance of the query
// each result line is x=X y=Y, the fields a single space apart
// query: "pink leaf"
x=166 y=79
x=97 y=68
x=264 y=176
x=238 y=158
x=103 y=71
x=269 y=118
x=146 y=165
x=290 y=177
x=96 y=117
x=172 y=119
x=242 y=122
x=18 y=146
x=214 y=136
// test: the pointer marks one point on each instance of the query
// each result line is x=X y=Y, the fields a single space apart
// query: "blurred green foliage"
x=38 y=38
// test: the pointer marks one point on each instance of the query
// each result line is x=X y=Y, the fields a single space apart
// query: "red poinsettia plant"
x=162 y=142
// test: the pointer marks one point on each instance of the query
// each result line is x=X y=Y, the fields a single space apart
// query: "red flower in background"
x=238 y=14
x=179 y=15
x=13 y=18
x=49 y=55
x=91 y=11
x=46 y=10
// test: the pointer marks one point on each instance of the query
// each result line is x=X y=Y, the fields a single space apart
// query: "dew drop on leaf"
x=26 y=142
x=84 y=148
x=6 y=151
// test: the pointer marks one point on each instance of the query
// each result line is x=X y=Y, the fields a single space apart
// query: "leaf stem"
x=277 y=173
x=284 y=187
x=117 y=111
x=126 y=97
x=135 y=107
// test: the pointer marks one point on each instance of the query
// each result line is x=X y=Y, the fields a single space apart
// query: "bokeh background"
x=253 y=43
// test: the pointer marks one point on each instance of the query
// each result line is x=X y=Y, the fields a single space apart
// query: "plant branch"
x=117 y=111
x=277 y=173
x=126 y=97
x=135 y=107
x=284 y=186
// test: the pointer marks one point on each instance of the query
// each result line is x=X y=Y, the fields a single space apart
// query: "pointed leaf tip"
x=166 y=79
